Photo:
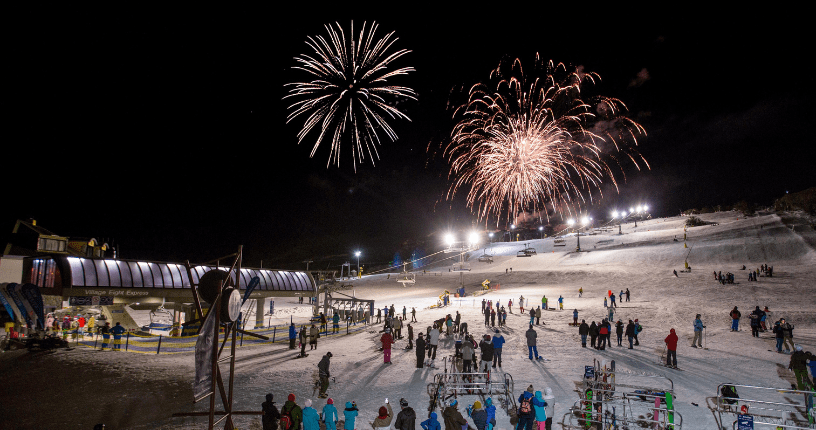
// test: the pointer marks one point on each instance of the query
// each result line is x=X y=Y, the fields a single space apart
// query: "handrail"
x=764 y=405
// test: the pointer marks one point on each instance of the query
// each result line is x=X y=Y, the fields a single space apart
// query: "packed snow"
x=81 y=387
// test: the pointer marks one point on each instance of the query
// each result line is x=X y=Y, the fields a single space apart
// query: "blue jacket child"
x=330 y=415
x=311 y=421
x=350 y=414
x=540 y=407
x=431 y=423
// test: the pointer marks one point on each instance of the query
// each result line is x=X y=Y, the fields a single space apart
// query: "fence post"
x=127 y=341
x=274 y=330
x=347 y=327
x=95 y=339
x=242 y=339
x=159 y=347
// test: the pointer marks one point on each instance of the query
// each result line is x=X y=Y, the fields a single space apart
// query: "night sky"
x=163 y=131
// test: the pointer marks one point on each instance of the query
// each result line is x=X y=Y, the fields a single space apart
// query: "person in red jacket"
x=387 y=340
x=671 y=350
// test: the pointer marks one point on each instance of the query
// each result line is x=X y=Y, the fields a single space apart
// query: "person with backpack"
x=583 y=330
x=486 y=347
x=330 y=416
x=384 y=416
x=619 y=331
x=798 y=364
x=593 y=334
x=755 y=315
x=490 y=411
x=638 y=329
x=735 y=316
x=431 y=423
x=453 y=418
x=406 y=418
x=526 y=414
x=350 y=415
x=291 y=414
x=467 y=355
x=311 y=420
x=498 y=343
x=269 y=419
x=324 y=374
x=603 y=332
x=540 y=409
x=780 y=337
x=387 y=341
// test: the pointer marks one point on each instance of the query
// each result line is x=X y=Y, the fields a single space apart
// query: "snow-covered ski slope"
x=138 y=391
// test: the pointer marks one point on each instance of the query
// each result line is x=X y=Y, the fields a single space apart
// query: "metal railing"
x=773 y=411
x=586 y=414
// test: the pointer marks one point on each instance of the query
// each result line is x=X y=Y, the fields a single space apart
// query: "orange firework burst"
x=347 y=96
x=521 y=145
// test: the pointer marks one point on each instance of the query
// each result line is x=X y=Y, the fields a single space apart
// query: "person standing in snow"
x=780 y=337
x=612 y=301
x=575 y=317
x=540 y=409
x=293 y=412
x=453 y=418
x=492 y=317
x=698 y=333
x=323 y=371
x=420 y=351
x=490 y=410
x=413 y=315
x=531 y=336
x=526 y=413
x=314 y=333
x=406 y=418
x=467 y=355
x=593 y=334
x=330 y=416
x=478 y=415
x=431 y=423
x=311 y=420
x=735 y=316
x=630 y=332
x=532 y=316
x=336 y=323
x=486 y=347
x=521 y=304
x=487 y=317
x=538 y=315
x=627 y=294
x=603 y=333
x=270 y=417
x=798 y=363
x=638 y=329
x=484 y=305
x=581 y=292
x=560 y=303
x=292 y=336
x=457 y=321
x=787 y=333
x=619 y=331
x=350 y=416
x=671 y=349
x=404 y=312
x=754 y=316
x=550 y=399
x=583 y=330
x=498 y=343
x=433 y=340
x=384 y=416
x=387 y=341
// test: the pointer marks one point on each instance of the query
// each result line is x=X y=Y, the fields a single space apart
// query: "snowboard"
x=301 y=356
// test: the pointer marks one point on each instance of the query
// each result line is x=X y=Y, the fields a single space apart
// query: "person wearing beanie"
x=478 y=415
x=350 y=415
x=630 y=332
x=735 y=316
x=311 y=420
x=453 y=418
x=431 y=423
x=798 y=364
x=638 y=329
x=526 y=413
x=787 y=334
x=697 y=341
x=406 y=418
x=490 y=410
x=324 y=374
x=583 y=331
x=292 y=336
x=384 y=416
x=498 y=343
x=486 y=347
x=292 y=411
x=270 y=417
x=420 y=351
x=330 y=416
x=531 y=336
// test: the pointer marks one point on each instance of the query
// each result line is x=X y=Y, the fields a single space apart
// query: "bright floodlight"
x=631 y=210
x=645 y=208
x=584 y=220
x=357 y=254
x=570 y=221
x=512 y=226
x=490 y=234
x=449 y=239
x=541 y=227
x=614 y=214
x=639 y=208
x=474 y=237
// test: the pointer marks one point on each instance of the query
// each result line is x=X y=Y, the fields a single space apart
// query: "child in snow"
x=350 y=414
x=384 y=415
x=330 y=415
x=431 y=423
x=311 y=421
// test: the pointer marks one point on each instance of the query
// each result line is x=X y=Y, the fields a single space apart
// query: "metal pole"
x=159 y=347
x=274 y=330
x=127 y=341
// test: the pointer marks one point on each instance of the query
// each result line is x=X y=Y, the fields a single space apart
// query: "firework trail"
x=520 y=145
x=346 y=97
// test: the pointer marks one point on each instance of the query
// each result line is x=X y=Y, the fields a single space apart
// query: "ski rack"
x=609 y=401
x=454 y=384
x=792 y=408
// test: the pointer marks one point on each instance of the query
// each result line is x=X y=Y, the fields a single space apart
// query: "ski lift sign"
x=745 y=422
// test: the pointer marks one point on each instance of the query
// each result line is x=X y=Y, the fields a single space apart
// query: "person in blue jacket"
x=498 y=342
x=526 y=412
x=292 y=336
x=330 y=415
x=431 y=423
x=491 y=414
x=117 y=331
x=350 y=414
x=540 y=408
x=311 y=421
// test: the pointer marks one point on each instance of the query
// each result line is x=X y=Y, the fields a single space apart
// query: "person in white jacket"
x=550 y=399
x=433 y=340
